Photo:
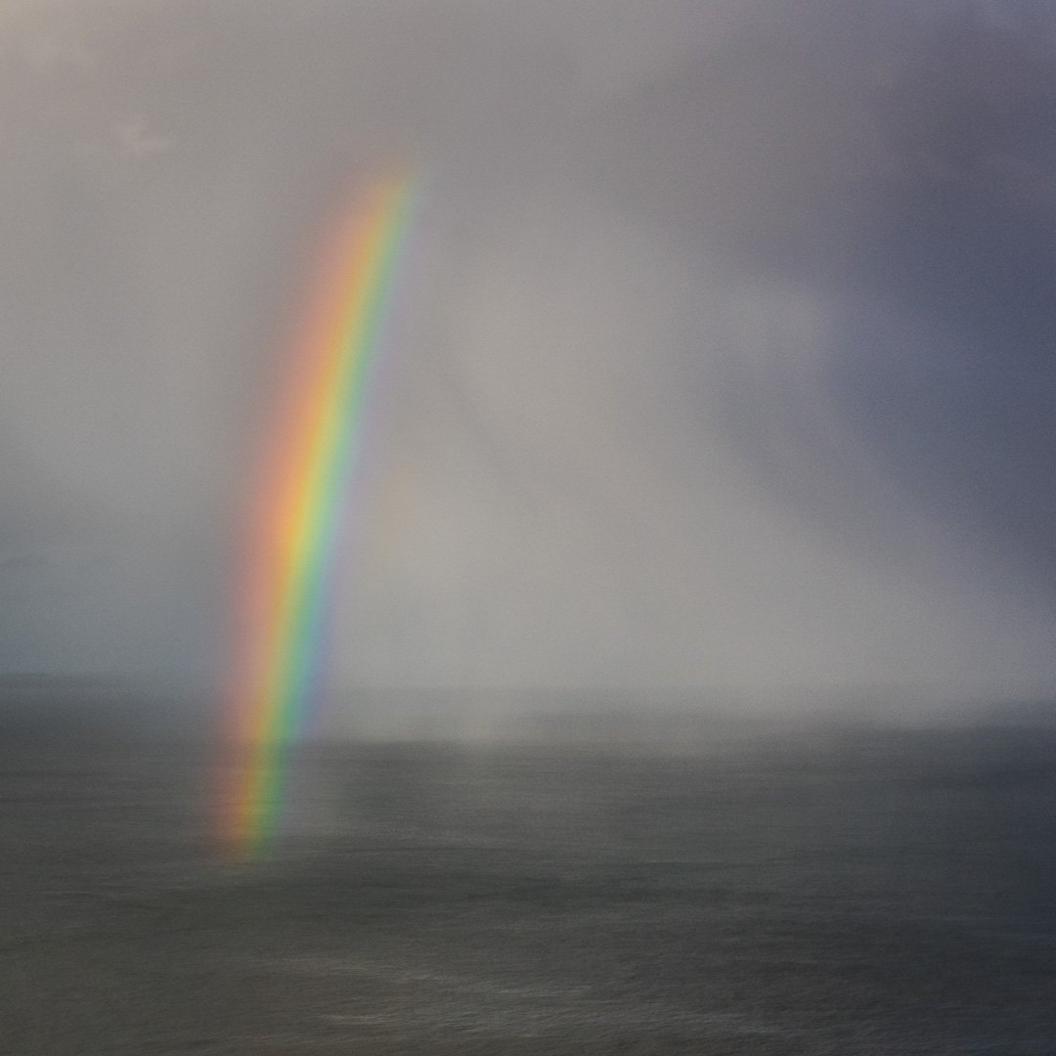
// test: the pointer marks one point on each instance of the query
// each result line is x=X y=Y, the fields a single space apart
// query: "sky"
x=722 y=356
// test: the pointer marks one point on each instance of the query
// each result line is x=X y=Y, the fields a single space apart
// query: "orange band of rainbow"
x=296 y=511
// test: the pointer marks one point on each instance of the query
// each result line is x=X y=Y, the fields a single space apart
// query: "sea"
x=852 y=891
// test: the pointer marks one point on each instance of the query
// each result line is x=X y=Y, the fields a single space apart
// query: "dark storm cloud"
x=959 y=250
x=902 y=172
x=723 y=362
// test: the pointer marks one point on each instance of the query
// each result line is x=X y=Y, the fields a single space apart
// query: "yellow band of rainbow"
x=295 y=514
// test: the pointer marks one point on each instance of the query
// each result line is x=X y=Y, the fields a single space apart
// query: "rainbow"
x=297 y=506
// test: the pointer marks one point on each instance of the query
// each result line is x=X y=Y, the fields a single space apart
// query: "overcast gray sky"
x=723 y=352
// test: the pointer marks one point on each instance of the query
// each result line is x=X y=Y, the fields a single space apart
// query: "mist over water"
x=688 y=674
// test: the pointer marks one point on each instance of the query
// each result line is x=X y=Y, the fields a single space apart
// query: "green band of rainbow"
x=297 y=510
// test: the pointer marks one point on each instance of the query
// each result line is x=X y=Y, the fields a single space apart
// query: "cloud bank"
x=722 y=357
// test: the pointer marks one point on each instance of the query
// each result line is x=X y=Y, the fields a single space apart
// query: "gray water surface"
x=876 y=894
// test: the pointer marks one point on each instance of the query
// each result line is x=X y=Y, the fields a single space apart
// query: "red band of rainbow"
x=296 y=512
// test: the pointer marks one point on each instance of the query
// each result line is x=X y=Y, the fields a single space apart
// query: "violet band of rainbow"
x=305 y=473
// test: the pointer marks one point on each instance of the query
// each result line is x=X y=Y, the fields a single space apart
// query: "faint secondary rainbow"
x=296 y=510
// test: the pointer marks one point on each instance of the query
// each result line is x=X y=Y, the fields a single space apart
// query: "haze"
x=722 y=356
